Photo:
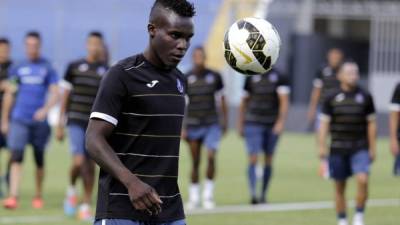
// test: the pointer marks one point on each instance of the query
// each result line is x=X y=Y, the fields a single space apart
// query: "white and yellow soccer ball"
x=252 y=46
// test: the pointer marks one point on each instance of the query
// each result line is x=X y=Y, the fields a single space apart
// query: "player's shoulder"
x=397 y=88
x=364 y=92
x=77 y=62
x=130 y=63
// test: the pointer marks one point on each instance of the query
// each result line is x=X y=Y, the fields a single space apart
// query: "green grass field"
x=295 y=180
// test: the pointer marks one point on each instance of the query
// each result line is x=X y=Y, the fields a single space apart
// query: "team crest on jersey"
x=273 y=77
x=340 y=97
x=83 y=67
x=101 y=70
x=179 y=85
x=359 y=98
x=256 y=78
x=192 y=78
x=210 y=79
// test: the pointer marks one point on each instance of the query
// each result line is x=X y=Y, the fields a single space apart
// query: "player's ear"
x=151 y=29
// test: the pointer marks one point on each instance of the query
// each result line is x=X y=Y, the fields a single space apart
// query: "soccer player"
x=5 y=63
x=81 y=82
x=349 y=116
x=205 y=124
x=31 y=81
x=394 y=129
x=136 y=121
x=261 y=121
x=325 y=83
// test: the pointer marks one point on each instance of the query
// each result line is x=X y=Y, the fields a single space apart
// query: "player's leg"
x=39 y=137
x=88 y=178
x=253 y=138
x=340 y=170
x=360 y=162
x=18 y=137
x=270 y=141
x=76 y=135
x=211 y=141
x=2 y=176
x=194 y=139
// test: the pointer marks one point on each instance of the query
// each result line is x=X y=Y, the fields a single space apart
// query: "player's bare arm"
x=142 y=196
x=283 y=111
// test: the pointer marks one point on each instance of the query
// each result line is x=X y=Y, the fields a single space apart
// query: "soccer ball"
x=252 y=46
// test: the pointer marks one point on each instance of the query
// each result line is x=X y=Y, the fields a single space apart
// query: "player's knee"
x=253 y=159
x=17 y=156
x=39 y=158
x=362 y=179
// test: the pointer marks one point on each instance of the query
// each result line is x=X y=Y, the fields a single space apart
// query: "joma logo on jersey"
x=152 y=84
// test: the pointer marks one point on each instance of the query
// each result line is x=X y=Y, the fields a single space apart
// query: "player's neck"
x=154 y=60
x=199 y=69
x=92 y=59
x=4 y=61
x=348 y=88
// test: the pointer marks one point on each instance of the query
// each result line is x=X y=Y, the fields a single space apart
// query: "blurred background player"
x=30 y=82
x=261 y=121
x=349 y=116
x=395 y=129
x=5 y=63
x=205 y=124
x=81 y=82
x=324 y=84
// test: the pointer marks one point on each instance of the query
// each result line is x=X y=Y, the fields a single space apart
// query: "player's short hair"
x=181 y=7
x=96 y=34
x=346 y=62
x=33 y=34
x=4 y=41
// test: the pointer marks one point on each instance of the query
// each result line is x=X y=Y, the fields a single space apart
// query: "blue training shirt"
x=33 y=79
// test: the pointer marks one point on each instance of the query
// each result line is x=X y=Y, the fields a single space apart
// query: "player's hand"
x=144 y=197
x=278 y=128
x=60 y=133
x=40 y=114
x=184 y=134
x=394 y=147
x=4 y=128
x=372 y=156
x=323 y=170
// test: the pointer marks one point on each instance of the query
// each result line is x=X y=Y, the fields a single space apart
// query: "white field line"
x=279 y=207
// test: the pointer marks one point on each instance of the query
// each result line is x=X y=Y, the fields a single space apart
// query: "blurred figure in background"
x=206 y=122
x=325 y=83
x=30 y=83
x=349 y=116
x=5 y=63
x=261 y=121
x=395 y=129
x=80 y=84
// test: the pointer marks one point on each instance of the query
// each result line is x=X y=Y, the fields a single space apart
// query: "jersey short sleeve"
x=395 y=102
x=370 y=108
x=52 y=77
x=220 y=83
x=326 y=110
x=110 y=96
x=66 y=83
x=283 y=85
x=247 y=86
x=317 y=82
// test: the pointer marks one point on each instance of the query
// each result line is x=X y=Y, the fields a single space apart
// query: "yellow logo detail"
x=245 y=56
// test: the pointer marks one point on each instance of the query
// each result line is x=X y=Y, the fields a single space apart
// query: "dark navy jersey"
x=326 y=79
x=203 y=89
x=349 y=114
x=263 y=91
x=4 y=67
x=146 y=105
x=83 y=79
x=395 y=104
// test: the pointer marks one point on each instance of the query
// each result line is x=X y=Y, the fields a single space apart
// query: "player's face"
x=349 y=74
x=32 y=47
x=4 y=52
x=199 y=58
x=335 y=57
x=94 y=47
x=171 y=39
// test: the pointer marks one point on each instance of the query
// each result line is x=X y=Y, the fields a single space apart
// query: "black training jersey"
x=146 y=105
x=349 y=113
x=4 y=67
x=395 y=104
x=83 y=79
x=326 y=79
x=263 y=90
x=202 y=92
